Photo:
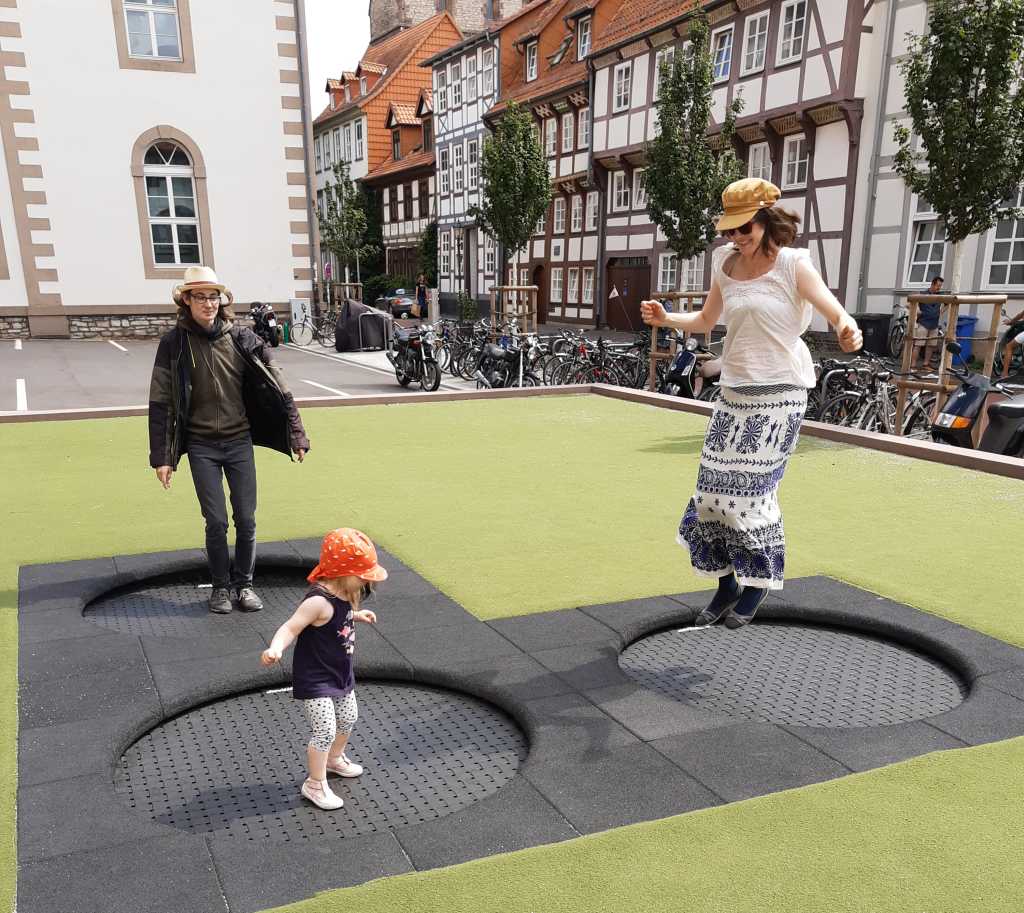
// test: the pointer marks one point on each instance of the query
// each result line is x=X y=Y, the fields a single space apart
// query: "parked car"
x=397 y=303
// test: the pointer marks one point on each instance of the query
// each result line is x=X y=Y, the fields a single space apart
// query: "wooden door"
x=540 y=280
x=632 y=280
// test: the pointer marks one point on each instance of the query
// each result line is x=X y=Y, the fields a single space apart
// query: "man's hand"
x=164 y=473
x=653 y=313
x=851 y=339
x=301 y=454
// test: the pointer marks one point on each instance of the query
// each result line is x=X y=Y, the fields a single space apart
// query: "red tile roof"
x=638 y=17
x=533 y=26
x=560 y=81
x=425 y=105
x=371 y=67
x=418 y=161
x=403 y=115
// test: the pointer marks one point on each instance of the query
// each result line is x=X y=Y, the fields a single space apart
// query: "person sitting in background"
x=927 y=328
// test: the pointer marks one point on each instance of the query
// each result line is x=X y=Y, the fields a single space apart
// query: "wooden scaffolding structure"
x=686 y=303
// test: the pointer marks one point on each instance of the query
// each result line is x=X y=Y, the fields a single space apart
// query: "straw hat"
x=742 y=200
x=197 y=277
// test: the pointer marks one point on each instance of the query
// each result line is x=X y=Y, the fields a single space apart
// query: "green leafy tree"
x=343 y=222
x=516 y=183
x=685 y=177
x=427 y=261
x=963 y=96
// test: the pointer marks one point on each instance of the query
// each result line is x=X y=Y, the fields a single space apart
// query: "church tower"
x=471 y=15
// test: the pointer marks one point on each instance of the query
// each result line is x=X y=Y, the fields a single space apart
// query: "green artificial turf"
x=520 y=506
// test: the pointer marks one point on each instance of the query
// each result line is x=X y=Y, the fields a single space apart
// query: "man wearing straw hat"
x=215 y=393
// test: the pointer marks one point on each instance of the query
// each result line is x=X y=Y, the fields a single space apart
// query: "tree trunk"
x=957 y=270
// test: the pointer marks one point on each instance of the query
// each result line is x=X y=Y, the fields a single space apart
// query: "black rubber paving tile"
x=169 y=874
x=1010 y=682
x=133 y=569
x=650 y=715
x=637 y=617
x=451 y=646
x=548 y=630
x=397 y=614
x=60 y=659
x=86 y=697
x=748 y=759
x=242 y=640
x=630 y=784
x=867 y=747
x=81 y=813
x=71 y=584
x=987 y=715
x=568 y=726
x=189 y=682
x=57 y=624
x=515 y=817
x=585 y=667
x=509 y=681
x=301 y=867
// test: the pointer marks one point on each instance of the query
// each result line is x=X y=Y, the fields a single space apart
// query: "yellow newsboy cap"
x=742 y=199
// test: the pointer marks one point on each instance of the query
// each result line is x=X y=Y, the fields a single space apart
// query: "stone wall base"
x=14 y=328
x=132 y=326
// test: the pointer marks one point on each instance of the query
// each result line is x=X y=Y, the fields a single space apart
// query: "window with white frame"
x=348 y=142
x=592 y=199
x=474 y=165
x=456 y=86
x=320 y=204
x=458 y=167
x=663 y=61
x=928 y=249
x=693 y=279
x=556 y=249
x=348 y=93
x=794 y=163
x=556 y=284
x=568 y=122
x=759 y=161
x=441 y=95
x=446 y=253
x=668 y=272
x=337 y=144
x=531 y=61
x=444 y=170
x=460 y=250
x=721 y=53
x=588 y=285
x=471 y=92
x=550 y=136
x=559 y=217
x=171 y=205
x=524 y=277
x=792 y=28
x=396 y=144
x=152 y=27
x=1006 y=251
x=583 y=133
x=573 y=295
x=755 y=41
x=488 y=71
x=577 y=214
x=327 y=151
x=620 y=191
x=490 y=254
x=583 y=31
x=640 y=189
x=317 y=144
x=542 y=224
x=359 y=140
x=623 y=86
x=362 y=85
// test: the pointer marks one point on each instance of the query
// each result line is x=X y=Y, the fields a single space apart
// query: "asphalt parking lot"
x=63 y=374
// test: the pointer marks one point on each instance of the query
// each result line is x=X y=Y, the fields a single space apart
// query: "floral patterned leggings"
x=328 y=716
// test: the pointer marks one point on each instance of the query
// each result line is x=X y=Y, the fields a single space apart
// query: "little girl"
x=322 y=678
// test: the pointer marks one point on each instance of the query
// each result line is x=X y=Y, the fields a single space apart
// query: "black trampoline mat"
x=794 y=674
x=235 y=766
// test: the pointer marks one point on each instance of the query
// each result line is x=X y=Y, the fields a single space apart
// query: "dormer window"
x=334 y=101
x=531 y=61
x=362 y=85
x=583 y=37
x=396 y=144
x=348 y=94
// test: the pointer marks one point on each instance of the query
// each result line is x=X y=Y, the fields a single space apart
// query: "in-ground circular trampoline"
x=794 y=674
x=234 y=766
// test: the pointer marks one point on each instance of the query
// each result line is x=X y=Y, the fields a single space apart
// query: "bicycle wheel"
x=302 y=333
x=870 y=420
x=842 y=409
x=896 y=337
x=325 y=334
x=443 y=356
x=431 y=378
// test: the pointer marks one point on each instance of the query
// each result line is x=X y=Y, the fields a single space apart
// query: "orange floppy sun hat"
x=347 y=552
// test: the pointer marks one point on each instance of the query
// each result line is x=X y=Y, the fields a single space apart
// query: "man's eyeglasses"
x=213 y=299
x=744 y=229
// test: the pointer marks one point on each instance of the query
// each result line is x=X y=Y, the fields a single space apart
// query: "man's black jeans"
x=210 y=462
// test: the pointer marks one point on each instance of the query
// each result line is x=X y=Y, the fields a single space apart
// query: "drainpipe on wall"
x=307 y=140
x=599 y=270
x=876 y=155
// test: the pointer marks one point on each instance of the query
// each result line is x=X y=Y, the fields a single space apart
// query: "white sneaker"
x=321 y=795
x=344 y=767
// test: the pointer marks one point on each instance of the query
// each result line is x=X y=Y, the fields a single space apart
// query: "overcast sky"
x=337 y=32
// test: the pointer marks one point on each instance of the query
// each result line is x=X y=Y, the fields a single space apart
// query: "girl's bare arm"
x=311 y=610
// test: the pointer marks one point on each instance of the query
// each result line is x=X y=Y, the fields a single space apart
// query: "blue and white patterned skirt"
x=733 y=522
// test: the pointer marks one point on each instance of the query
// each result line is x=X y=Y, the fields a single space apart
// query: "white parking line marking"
x=17 y=345
x=116 y=345
x=358 y=364
x=22 y=394
x=313 y=383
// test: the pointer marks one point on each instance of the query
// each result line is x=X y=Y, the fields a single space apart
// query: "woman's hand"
x=365 y=615
x=851 y=339
x=653 y=313
x=270 y=656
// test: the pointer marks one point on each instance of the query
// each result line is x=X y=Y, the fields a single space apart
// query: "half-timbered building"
x=795 y=65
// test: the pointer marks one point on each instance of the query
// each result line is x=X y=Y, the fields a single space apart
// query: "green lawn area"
x=518 y=506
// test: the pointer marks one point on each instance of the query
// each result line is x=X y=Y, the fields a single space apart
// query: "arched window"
x=171 y=203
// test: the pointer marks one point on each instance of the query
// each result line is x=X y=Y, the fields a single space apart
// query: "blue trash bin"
x=964 y=331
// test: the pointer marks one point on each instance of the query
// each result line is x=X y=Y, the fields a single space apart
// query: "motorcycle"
x=692 y=364
x=412 y=357
x=264 y=322
x=961 y=411
x=509 y=364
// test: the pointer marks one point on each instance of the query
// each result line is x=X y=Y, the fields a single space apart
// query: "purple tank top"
x=322 y=664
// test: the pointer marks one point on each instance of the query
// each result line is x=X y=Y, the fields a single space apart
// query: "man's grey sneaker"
x=220 y=600
x=718 y=608
x=247 y=600
x=735 y=620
